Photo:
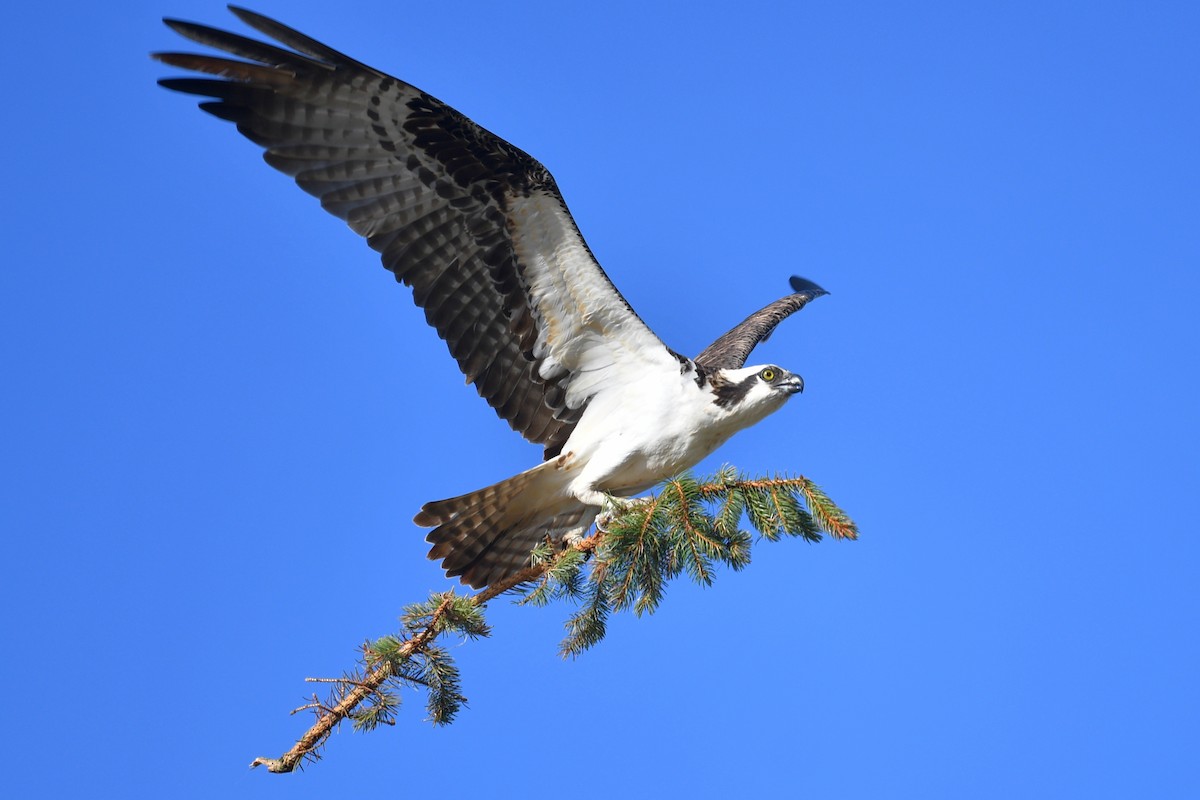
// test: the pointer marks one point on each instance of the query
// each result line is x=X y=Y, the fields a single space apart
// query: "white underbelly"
x=625 y=445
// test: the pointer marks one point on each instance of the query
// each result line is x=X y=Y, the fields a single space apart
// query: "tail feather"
x=486 y=535
x=509 y=552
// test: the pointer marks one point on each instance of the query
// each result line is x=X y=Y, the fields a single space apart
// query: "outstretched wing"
x=732 y=349
x=474 y=225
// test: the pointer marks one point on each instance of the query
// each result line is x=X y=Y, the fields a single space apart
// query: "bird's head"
x=754 y=392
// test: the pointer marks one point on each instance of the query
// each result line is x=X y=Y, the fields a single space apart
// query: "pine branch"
x=329 y=717
x=688 y=527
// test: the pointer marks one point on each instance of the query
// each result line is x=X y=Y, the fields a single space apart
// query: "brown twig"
x=308 y=744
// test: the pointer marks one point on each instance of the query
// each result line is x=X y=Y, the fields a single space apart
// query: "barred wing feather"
x=475 y=226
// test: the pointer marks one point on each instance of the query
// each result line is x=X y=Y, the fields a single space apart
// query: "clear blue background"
x=220 y=413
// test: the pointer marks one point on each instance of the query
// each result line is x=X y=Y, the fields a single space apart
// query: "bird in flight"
x=477 y=228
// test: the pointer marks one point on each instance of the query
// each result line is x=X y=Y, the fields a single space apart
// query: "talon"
x=612 y=507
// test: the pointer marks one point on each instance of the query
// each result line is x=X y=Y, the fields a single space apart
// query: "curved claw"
x=611 y=508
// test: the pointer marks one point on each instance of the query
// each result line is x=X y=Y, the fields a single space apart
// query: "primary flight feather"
x=478 y=230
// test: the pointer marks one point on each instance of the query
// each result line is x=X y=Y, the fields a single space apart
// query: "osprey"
x=479 y=230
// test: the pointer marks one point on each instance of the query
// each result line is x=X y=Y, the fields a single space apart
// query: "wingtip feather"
x=804 y=285
x=249 y=17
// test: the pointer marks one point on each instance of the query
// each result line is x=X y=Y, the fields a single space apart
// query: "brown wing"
x=428 y=188
x=731 y=350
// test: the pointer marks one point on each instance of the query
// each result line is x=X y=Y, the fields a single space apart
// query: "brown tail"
x=486 y=535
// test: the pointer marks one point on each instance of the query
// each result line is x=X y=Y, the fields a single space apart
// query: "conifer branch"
x=329 y=717
x=688 y=526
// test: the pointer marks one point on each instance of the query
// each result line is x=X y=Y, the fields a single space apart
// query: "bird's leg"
x=606 y=505
x=610 y=508
x=578 y=533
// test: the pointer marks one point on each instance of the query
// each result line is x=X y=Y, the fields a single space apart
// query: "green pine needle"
x=378 y=709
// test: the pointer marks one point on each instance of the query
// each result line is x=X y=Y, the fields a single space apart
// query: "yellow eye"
x=767 y=374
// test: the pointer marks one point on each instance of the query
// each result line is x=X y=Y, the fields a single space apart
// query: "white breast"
x=627 y=441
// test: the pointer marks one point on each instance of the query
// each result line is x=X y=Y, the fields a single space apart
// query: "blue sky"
x=221 y=413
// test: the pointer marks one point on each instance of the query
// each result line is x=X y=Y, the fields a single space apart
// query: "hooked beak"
x=793 y=383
